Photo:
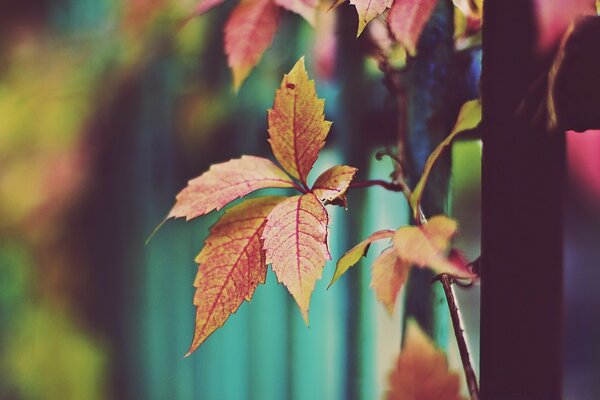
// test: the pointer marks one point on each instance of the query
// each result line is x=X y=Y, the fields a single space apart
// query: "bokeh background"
x=107 y=108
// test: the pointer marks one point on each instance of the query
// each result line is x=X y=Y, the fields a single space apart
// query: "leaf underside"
x=367 y=10
x=388 y=275
x=406 y=20
x=332 y=184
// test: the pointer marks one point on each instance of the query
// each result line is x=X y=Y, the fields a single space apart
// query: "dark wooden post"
x=523 y=167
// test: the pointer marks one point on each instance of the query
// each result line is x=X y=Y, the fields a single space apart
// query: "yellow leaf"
x=332 y=184
x=354 y=254
x=387 y=277
x=369 y=9
x=468 y=118
x=295 y=241
x=230 y=266
x=297 y=125
x=427 y=245
x=421 y=372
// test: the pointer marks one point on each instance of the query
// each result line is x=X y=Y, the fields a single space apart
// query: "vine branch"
x=470 y=377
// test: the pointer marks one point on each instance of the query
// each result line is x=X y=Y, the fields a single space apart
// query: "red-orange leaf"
x=249 y=31
x=297 y=126
x=206 y=5
x=426 y=245
x=296 y=245
x=231 y=265
x=368 y=10
x=306 y=8
x=387 y=277
x=333 y=183
x=225 y=182
x=407 y=18
x=421 y=372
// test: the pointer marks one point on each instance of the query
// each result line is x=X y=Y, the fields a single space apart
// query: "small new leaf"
x=407 y=18
x=295 y=241
x=230 y=266
x=354 y=254
x=421 y=372
x=427 y=245
x=369 y=9
x=249 y=31
x=388 y=276
x=225 y=182
x=297 y=125
x=468 y=118
x=332 y=184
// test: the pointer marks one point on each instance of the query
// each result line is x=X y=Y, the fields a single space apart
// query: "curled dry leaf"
x=249 y=31
x=421 y=372
x=426 y=245
x=231 y=265
x=332 y=184
x=354 y=254
x=469 y=117
x=297 y=125
x=407 y=18
x=389 y=272
x=225 y=182
x=306 y=8
x=295 y=242
x=369 y=9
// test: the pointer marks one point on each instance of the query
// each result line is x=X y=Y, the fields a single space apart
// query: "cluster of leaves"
x=290 y=233
x=252 y=25
x=425 y=245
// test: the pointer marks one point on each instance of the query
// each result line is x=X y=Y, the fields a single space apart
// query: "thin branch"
x=471 y=379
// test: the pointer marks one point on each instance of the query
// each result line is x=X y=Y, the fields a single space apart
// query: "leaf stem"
x=470 y=377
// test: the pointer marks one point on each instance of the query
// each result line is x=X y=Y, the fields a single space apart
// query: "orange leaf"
x=249 y=31
x=231 y=265
x=297 y=126
x=225 y=182
x=426 y=245
x=206 y=5
x=407 y=18
x=306 y=8
x=387 y=277
x=333 y=183
x=354 y=254
x=421 y=372
x=368 y=10
x=296 y=245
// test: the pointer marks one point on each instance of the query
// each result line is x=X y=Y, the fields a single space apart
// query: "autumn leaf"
x=206 y=5
x=407 y=18
x=421 y=372
x=295 y=241
x=354 y=254
x=426 y=245
x=305 y=8
x=469 y=117
x=231 y=265
x=225 y=182
x=369 y=9
x=249 y=31
x=332 y=184
x=297 y=125
x=389 y=272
